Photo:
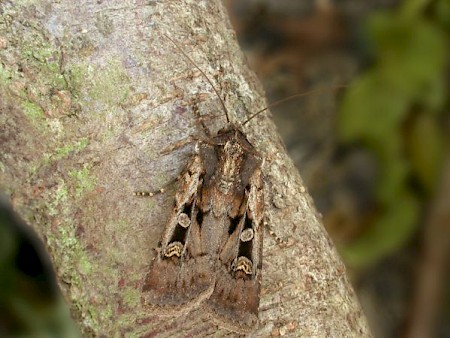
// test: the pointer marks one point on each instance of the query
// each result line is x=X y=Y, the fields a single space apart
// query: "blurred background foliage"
x=395 y=109
x=374 y=155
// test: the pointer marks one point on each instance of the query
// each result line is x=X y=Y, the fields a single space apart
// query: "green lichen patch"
x=80 y=75
x=108 y=84
x=73 y=263
x=84 y=181
x=84 y=265
x=43 y=60
x=113 y=86
x=5 y=76
x=132 y=297
x=59 y=197
x=33 y=111
x=74 y=147
x=31 y=64
x=70 y=255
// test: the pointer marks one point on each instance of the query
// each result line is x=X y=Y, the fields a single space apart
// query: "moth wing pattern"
x=235 y=300
x=179 y=276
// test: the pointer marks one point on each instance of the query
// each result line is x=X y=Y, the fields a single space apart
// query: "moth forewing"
x=177 y=280
x=235 y=300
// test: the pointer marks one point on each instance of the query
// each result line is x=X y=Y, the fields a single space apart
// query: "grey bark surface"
x=91 y=94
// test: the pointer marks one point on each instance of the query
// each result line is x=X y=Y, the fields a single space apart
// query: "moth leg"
x=149 y=193
x=180 y=144
x=162 y=190
x=177 y=145
x=200 y=118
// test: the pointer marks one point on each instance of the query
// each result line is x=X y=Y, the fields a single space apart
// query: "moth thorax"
x=173 y=249
x=183 y=220
x=231 y=166
x=225 y=186
x=243 y=264
x=233 y=149
x=247 y=235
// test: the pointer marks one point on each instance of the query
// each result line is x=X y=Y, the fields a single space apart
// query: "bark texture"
x=91 y=93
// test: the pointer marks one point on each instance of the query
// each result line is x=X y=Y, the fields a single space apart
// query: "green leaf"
x=390 y=232
x=425 y=145
x=371 y=110
x=412 y=57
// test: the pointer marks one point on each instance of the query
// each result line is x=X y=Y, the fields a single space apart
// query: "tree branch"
x=91 y=95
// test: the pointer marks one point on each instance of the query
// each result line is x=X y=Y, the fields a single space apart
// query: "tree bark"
x=92 y=93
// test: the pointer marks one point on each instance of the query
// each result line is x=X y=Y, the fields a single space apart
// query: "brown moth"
x=210 y=252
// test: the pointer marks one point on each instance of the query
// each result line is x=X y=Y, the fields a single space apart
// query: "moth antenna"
x=203 y=73
x=276 y=103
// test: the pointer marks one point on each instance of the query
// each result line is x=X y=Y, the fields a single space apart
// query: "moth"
x=210 y=253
